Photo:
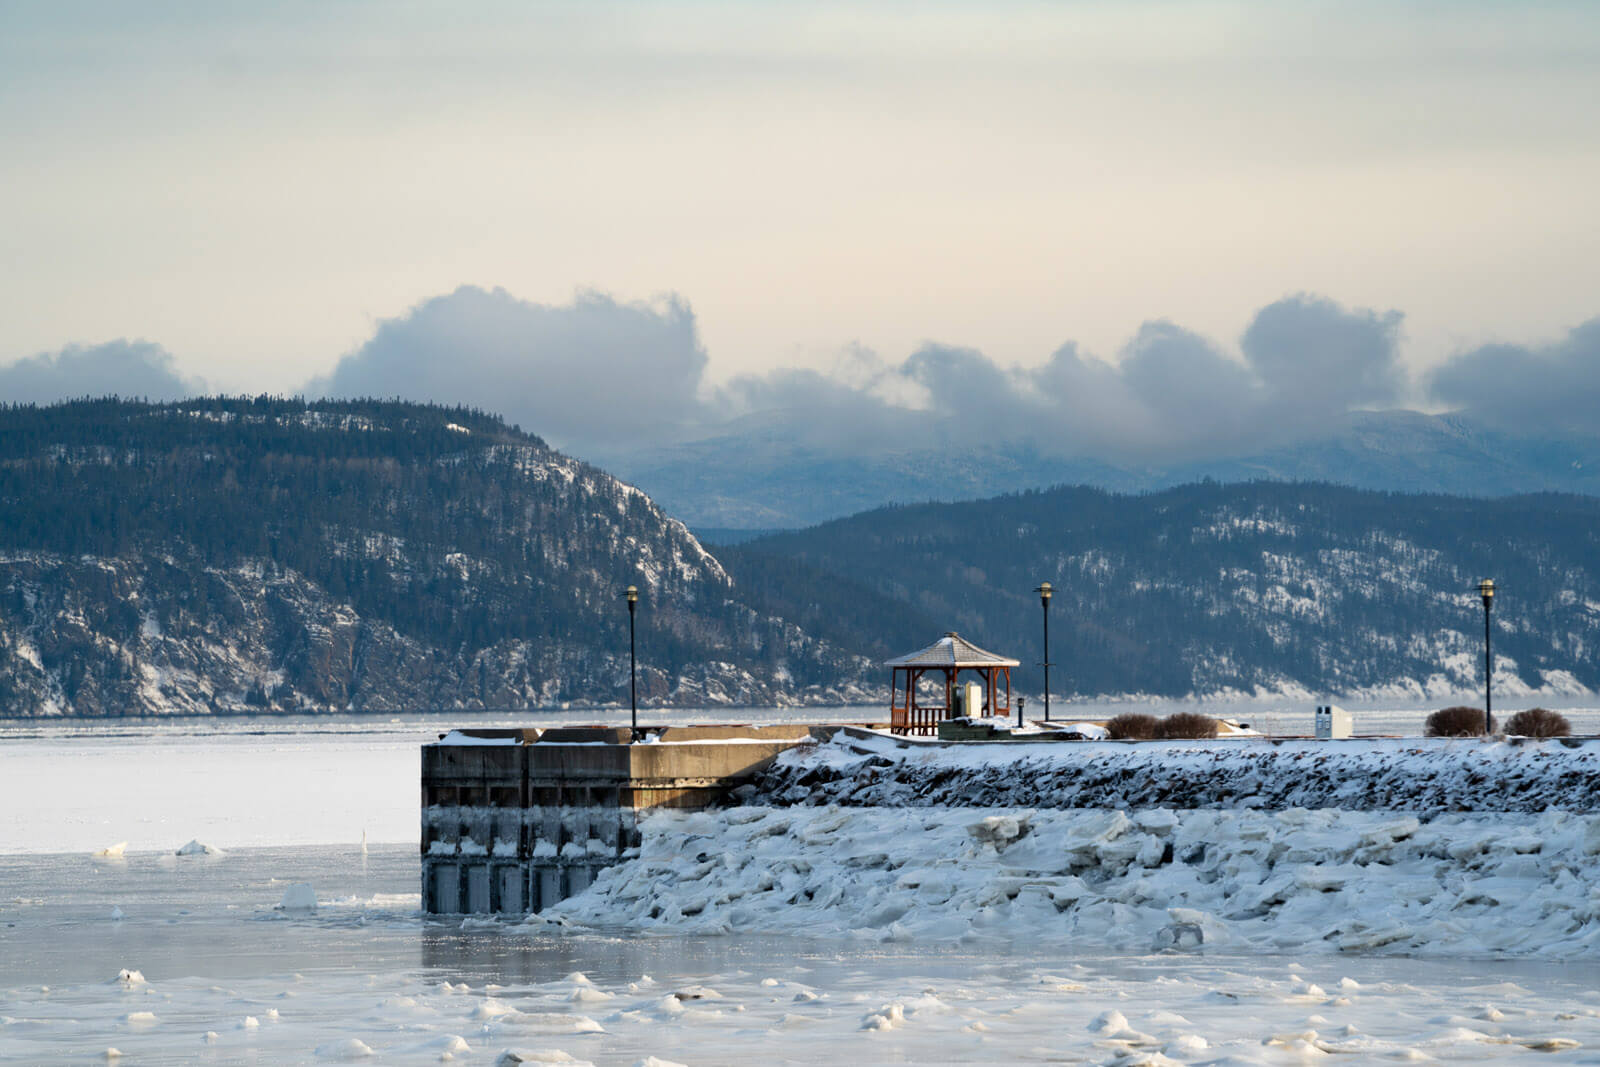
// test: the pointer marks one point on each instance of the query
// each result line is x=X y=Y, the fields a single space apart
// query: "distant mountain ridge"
x=234 y=555
x=772 y=473
x=1306 y=589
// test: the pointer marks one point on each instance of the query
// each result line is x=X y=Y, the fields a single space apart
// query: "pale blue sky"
x=255 y=187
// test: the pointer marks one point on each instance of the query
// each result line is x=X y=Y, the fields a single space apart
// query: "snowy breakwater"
x=1416 y=775
x=1290 y=881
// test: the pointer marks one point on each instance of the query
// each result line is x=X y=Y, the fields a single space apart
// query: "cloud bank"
x=604 y=379
x=129 y=369
x=595 y=371
x=1522 y=387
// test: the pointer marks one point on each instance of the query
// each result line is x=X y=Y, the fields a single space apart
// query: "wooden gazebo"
x=946 y=659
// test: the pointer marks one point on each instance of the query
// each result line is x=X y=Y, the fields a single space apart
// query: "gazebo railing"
x=918 y=720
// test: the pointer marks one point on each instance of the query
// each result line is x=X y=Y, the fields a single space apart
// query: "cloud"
x=610 y=380
x=1551 y=385
x=1318 y=359
x=130 y=369
x=1171 y=394
x=1189 y=393
x=816 y=410
x=589 y=376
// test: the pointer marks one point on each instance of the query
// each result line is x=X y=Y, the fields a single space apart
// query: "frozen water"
x=993 y=957
x=365 y=970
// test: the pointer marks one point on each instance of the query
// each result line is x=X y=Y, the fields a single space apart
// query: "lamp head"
x=633 y=595
x=1486 y=590
x=1044 y=592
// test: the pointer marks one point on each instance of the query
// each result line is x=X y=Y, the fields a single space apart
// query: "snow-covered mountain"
x=235 y=555
x=1307 y=589
x=778 y=472
x=232 y=555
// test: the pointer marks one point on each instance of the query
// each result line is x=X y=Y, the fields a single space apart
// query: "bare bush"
x=1132 y=727
x=1458 y=721
x=1539 y=722
x=1186 y=726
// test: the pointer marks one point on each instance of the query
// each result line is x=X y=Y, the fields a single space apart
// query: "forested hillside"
x=235 y=554
x=1210 y=587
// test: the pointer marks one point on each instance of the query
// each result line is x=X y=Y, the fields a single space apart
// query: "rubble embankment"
x=1425 y=776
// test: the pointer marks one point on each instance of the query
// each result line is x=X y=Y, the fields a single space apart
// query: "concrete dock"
x=514 y=820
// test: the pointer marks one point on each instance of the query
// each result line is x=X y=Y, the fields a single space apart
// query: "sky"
x=722 y=206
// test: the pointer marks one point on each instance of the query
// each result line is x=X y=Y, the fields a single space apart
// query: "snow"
x=1001 y=933
x=456 y=737
x=351 y=1048
x=299 y=897
x=1153 y=880
x=373 y=981
x=196 y=847
x=1428 y=775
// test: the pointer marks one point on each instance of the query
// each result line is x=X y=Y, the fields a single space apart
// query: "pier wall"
x=515 y=820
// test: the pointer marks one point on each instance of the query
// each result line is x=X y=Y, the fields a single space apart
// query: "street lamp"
x=1486 y=590
x=633 y=661
x=1044 y=592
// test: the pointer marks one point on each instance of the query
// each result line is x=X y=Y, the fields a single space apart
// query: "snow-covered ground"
x=762 y=935
x=1422 y=775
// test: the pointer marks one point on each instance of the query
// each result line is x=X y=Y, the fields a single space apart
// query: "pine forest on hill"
x=261 y=554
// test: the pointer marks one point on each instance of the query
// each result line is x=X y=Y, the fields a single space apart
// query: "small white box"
x=1332 y=723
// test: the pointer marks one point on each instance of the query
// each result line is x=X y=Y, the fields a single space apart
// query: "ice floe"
x=299 y=897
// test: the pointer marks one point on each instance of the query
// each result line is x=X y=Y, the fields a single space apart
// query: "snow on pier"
x=1425 y=775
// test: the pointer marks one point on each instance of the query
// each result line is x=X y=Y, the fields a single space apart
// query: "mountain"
x=231 y=555
x=1294 y=588
x=776 y=472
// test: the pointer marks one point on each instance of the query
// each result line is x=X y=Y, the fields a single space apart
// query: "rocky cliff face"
x=236 y=556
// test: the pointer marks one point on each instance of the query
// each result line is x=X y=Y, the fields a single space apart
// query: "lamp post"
x=1044 y=592
x=633 y=661
x=1020 y=701
x=1486 y=590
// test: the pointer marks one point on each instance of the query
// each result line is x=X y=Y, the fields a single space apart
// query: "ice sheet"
x=203 y=951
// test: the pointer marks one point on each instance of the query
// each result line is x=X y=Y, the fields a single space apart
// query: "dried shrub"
x=1455 y=722
x=1539 y=722
x=1186 y=726
x=1132 y=727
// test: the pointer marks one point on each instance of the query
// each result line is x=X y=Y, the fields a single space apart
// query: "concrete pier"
x=514 y=820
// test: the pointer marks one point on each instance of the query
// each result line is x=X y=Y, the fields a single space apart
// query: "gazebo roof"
x=952 y=650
